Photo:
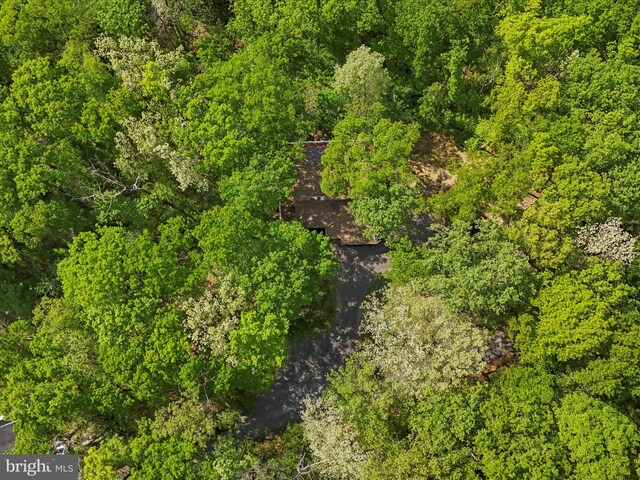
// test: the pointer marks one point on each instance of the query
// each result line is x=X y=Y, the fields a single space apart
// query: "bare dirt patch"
x=431 y=158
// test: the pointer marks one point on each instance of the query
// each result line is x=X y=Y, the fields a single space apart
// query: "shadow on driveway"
x=311 y=359
x=7 y=437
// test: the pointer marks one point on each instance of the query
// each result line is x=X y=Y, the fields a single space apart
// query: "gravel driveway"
x=7 y=437
x=311 y=359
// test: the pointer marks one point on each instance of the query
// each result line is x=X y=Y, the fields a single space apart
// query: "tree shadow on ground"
x=311 y=359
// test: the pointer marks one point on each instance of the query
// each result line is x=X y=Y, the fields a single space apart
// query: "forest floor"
x=310 y=359
x=432 y=157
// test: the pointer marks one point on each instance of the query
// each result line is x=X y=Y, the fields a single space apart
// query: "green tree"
x=52 y=383
x=348 y=24
x=439 y=445
x=586 y=327
x=292 y=31
x=519 y=438
x=44 y=174
x=366 y=161
x=239 y=109
x=389 y=214
x=261 y=186
x=282 y=266
x=602 y=442
x=537 y=46
x=575 y=194
x=122 y=284
x=123 y=17
x=480 y=274
x=366 y=157
x=449 y=50
x=40 y=167
x=30 y=28
x=171 y=444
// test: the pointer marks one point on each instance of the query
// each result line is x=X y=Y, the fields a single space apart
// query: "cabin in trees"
x=315 y=210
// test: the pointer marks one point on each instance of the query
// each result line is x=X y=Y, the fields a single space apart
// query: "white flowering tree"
x=332 y=440
x=417 y=343
x=362 y=78
x=210 y=318
x=607 y=241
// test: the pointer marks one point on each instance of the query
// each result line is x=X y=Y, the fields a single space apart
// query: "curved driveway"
x=311 y=359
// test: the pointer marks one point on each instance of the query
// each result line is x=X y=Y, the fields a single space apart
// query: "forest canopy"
x=150 y=288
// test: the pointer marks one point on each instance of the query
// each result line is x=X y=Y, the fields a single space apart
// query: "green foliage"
x=123 y=17
x=367 y=161
x=388 y=214
x=601 y=441
x=172 y=444
x=480 y=274
x=282 y=266
x=240 y=109
x=121 y=285
x=348 y=421
x=145 y=146
x=44 y=166
x=40 y=167
x=53 y=384
x=563 y=148
x=30 y=28
x=439 y=445
x=537 y=48
x=261 y=186
x=449 y=49
x=280 y=263
x=284 y=455
x=13 y=346
x=587 y=327
x=519 y=438
x=366 y=403
x=346 y=23
x=366 y=157
x=575 y=194
x=120 y=338
x=291 y=30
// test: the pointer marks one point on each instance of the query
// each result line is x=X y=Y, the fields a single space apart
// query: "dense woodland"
x=148 y=289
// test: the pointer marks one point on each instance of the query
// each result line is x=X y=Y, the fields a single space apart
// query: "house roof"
x=308 y=185
x=316 y=210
